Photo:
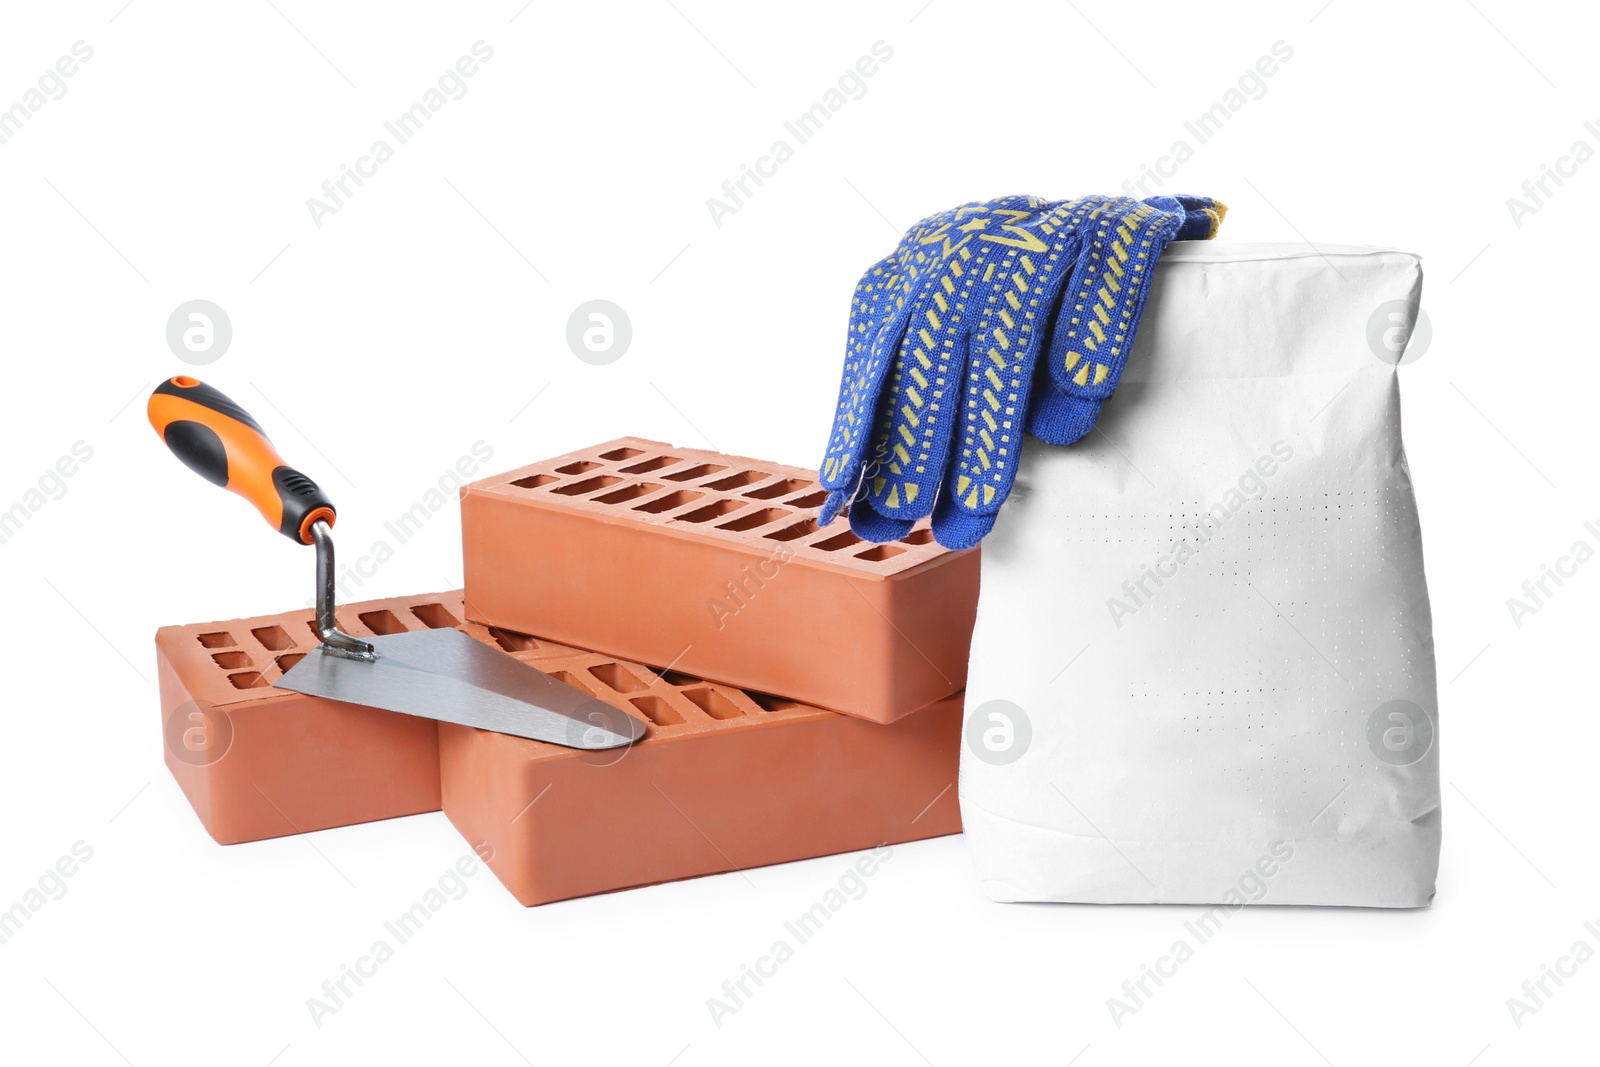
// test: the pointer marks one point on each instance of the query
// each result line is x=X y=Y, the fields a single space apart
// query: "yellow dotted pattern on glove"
x=898 y=276
x=912 y=420
x=1100 y=318
x=916 y=386
x=860 y=366
x=998 y=380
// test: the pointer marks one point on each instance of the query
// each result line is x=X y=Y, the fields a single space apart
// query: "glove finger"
x=956 y=528
x=1202 y=215
x=867 y=523
x=882 y=320
x=878 y=312
x=1000 y=371
x=1094 y=331
x=921 y=405
x=873 y=333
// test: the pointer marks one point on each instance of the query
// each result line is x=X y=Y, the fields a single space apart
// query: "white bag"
x=1202 y=670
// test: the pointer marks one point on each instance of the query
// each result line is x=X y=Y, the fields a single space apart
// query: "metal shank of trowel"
x=335 y=642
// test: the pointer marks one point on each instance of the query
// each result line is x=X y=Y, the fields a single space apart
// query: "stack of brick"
x=801 y=689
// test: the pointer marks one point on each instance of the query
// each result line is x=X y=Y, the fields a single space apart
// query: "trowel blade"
x=448 y=676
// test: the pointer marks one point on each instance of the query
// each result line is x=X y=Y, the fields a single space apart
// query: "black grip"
x=302 y=498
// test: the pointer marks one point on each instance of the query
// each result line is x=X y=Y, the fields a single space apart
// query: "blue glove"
x=940 y=372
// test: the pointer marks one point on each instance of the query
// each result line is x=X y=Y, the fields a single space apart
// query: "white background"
x=428 y=311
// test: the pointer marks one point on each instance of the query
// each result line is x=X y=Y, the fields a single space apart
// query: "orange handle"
x=218 y=440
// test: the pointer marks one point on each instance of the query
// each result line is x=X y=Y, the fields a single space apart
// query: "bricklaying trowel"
x=436 y=674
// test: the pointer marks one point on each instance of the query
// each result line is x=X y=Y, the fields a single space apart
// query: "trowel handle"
x=218 y=440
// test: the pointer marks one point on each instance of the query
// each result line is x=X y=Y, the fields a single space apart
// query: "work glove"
x=942 y=371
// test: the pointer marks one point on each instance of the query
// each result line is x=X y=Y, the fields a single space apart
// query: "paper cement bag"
x=1202 y=670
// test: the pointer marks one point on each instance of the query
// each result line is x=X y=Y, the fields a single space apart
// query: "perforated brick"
x=713 y=563
x=723 y=780
x=256 y=761
x=767 y=779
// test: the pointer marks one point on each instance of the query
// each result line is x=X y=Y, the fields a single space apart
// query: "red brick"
x=258 y=762
x=712 y=564
x=724 y=780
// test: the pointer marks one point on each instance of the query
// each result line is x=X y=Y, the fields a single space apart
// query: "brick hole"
x=435 y=616
x=289 y=659
x=628 y=492
x=621 y=453
x=735 y=481
x=274 y=638
x=714 y=703
x=231 y=660
x=703 y=470
x=792 y=533
x=879 y=553
x=588 y=485
x=668 y=502
x=645 y=466
x=618 y=677
x=751 y=519
x=657 y=710
x=810 y=500
x=216 y=639
x=311 y=624
x=711 y=511
x=248 y=680
x=583 y=466
x=917 y=537
x=534 y=481
x=382 y=621
x=838 y=541
x=568 y=678
x=672 y=677
x=512 y=642
x=780 y=488
x=768 y=702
